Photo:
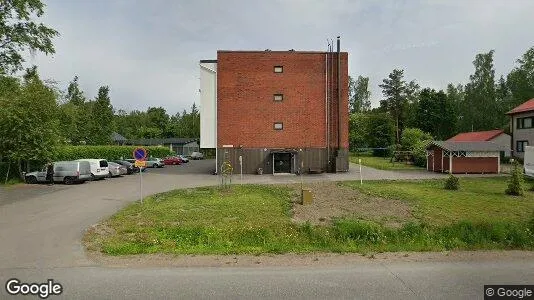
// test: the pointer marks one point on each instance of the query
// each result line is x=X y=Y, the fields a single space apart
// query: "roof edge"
x=206 y=61
x=277 y=51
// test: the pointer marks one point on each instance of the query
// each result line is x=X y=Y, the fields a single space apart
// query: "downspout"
x=216 y=125
x=331 y=96
x=338 y=96
x=326 y=108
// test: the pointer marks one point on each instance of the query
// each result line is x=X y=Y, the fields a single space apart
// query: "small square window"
x=278 y=125
x=278 y=69
x=278 y=97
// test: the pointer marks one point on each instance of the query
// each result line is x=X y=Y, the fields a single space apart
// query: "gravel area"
x=333 y=200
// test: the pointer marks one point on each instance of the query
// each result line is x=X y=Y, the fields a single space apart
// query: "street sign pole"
x=140 y=155
x=360 y=163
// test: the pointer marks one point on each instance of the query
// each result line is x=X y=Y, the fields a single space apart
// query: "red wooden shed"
x=463 y=157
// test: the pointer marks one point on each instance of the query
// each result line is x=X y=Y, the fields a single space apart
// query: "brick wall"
x=246 y=111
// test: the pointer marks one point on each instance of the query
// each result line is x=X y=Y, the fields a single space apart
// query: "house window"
x=278 y=126
x=278 y=97
x=521 y=146
x=278 y=69
x=524 y=123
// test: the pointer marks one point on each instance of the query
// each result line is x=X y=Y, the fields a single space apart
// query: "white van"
x=67 y=172
x=99 y=168
x=528 y=162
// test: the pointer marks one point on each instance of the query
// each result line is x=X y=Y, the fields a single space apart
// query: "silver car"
x=116 y=170
x=196 y=155
x=67 y=172
x=153 y=162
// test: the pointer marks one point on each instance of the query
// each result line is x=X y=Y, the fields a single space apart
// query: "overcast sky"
x=148 y=51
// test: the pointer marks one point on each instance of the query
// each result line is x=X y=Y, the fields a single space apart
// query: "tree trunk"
x=19 y=166
x=7 y=174
x=397 y=131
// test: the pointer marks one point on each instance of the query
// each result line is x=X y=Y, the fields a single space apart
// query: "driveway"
x=41 y=229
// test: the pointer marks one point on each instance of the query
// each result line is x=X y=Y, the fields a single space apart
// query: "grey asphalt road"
x=422 y=280
x=41 y=230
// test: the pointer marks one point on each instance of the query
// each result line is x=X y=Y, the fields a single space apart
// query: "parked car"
x=99 y=168
x=130 y=168
x=172 y=160
x=67 y=172
x=116 y=170
x=197 y=155
x=154 y=162
x=132 y=161
x=183 y=158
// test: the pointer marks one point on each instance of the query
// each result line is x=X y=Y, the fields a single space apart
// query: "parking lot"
x=19 y=192
x=204 y=166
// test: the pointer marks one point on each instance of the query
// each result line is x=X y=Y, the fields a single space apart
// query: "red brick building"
x=281 y=111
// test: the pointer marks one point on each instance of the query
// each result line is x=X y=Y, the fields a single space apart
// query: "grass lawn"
x=478 y=200
x=383 y=163
x=257 y=219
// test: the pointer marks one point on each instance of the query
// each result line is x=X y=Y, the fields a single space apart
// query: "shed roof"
x=117 y=137
x=467 y=146
x=477 y=136
x=527 y=106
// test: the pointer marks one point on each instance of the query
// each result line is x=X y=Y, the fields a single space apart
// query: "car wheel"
x=68 y=180
x=154 y=165
x=110 y=175
x=31 y=179
x=93 y=178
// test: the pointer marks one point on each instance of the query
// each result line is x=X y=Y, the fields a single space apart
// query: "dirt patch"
x=332 y=200
x=304 y=260
x=92 y=239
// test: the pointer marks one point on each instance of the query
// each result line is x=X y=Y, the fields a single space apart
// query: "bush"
x=106 y=152
x=531 y=224
x=381 y=152
x=515 y=185
x=419 y=153
x=416 y=140
x=411 y=137
x=452 y=183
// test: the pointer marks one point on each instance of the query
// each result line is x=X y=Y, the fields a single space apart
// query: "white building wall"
x=505 y=141
x=208 y=105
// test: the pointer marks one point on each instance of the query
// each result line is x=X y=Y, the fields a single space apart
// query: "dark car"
x=130 y=168
x=172 y=160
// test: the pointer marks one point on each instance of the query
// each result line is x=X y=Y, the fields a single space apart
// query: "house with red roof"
x=496 y=136
x=522 y=127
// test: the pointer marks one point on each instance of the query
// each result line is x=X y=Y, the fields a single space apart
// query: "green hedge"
x=106 y=152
